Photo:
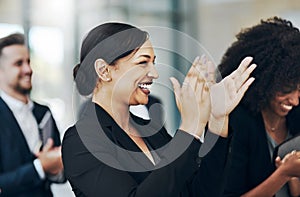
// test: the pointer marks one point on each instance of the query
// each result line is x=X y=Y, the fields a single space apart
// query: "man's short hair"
x=12 y=39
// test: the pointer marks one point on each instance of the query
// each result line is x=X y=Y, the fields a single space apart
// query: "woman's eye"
x=286 y=92
x=143 y=62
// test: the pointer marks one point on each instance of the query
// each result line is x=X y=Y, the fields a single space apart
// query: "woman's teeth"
x=287 y=107
x=144 y=86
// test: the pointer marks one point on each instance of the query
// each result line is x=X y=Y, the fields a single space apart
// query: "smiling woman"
x=268 y=113
x=110 y=152
x=131 y=76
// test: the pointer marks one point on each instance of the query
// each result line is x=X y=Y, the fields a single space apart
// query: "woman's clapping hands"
x=201 y=100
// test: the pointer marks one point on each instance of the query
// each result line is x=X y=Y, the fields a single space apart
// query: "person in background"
x=30 y=146
x=110 y=152
x=268 y=113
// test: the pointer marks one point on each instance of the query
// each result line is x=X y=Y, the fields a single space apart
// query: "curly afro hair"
x=274 y=45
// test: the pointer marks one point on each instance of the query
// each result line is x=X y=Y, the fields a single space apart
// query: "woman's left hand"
x=226 y=94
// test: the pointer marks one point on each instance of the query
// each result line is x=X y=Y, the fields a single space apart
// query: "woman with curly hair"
x=268 y=113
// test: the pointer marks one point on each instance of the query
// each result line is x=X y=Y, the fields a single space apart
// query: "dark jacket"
x=101 y=160
x=250 y=161
x=18 y=177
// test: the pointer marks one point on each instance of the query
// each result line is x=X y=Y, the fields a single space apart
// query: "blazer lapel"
x=127 y=152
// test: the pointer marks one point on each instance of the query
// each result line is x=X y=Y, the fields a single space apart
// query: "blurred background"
x=179 y=30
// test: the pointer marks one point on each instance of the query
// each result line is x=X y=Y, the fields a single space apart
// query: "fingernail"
x=203 y=58
x=196 y=60
x=249 y=58
x=251 y=79
x=253 y=66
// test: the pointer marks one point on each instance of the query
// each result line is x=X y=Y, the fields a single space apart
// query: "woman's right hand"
x=201 y=99
x=192 y=98
x=289 y=165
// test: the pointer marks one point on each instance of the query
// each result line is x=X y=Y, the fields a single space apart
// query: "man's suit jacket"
x=18 y=176
x=99 y=160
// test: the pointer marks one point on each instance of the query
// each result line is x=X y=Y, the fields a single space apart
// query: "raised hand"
x=201 y=99
x=231 y=89
x=192 y=98
x=226 y=94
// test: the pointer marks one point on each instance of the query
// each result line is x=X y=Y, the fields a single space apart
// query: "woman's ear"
x=101 y=68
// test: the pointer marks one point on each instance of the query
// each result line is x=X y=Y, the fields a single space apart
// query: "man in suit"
x=30 y=152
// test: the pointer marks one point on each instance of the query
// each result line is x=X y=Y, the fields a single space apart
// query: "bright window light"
x=47 y=43
x=6 y=29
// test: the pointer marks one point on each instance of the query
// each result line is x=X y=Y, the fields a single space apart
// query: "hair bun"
x=75 y=70
x=85 y=79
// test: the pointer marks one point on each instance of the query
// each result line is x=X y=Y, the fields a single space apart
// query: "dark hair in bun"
x=110 y=42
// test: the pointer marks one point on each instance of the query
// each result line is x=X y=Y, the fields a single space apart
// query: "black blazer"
x=250 y=161
x=101 y=160
x=18 y=177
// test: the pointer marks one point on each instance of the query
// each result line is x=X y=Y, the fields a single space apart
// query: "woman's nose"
x=294 y=98
x=153 y=72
